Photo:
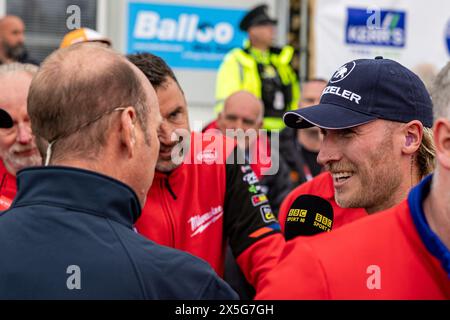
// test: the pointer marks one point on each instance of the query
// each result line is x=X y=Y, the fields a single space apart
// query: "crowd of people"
x=94 y=197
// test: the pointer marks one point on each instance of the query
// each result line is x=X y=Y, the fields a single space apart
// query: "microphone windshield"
x=307 y=216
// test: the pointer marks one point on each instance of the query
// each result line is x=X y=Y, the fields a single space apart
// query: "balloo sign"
x=184 y=36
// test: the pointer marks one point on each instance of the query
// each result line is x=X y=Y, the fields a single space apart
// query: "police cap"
x=255 y=17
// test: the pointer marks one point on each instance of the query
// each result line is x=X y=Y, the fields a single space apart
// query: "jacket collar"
x=80 y=190
x=432 y=242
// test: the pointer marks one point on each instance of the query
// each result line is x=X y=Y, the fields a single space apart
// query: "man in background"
x=261 y=69
x=300 y=148
x=17 y=143
x=243 y=113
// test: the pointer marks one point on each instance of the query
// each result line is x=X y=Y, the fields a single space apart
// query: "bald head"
x=75 y=87
x=242 y=110
x=12 y=38
x=10 y=20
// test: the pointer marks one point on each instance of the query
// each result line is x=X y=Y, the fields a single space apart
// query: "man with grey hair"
x=69 y=233
x=17 y=144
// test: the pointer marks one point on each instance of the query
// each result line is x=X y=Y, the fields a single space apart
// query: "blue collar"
x=79 y=190
x=432 y=242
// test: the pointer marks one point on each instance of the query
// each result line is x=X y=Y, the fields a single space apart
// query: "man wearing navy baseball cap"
x=401 y=253
x=375 y=115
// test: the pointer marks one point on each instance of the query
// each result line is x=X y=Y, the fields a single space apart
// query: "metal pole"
x=283 y=22
x=304 y=28
x=2 y=8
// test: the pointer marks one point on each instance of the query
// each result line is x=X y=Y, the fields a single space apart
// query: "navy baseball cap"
x=365 y=90
x=6 y=121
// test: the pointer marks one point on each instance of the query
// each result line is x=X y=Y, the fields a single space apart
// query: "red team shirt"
x=390 y=255
x=199 y=207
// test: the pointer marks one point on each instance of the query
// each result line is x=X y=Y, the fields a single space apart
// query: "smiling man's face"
x=364 y=164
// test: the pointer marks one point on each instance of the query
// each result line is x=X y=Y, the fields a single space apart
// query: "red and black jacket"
x=198 y=207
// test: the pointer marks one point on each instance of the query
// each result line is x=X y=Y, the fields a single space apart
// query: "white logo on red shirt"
x=200 y=222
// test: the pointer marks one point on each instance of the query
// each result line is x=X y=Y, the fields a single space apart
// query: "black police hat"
x=255 y=17
x=5 y=120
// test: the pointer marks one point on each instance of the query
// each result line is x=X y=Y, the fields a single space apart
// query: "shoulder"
x=175 y=274
x=337 y=262
x=366 y=230
x=234 y=53
x=285 y=53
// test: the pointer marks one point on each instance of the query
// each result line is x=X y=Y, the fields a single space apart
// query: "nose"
x=21 y=38
x=24 y=135
x=164 y=132
x=239 y=124
x=329 y=150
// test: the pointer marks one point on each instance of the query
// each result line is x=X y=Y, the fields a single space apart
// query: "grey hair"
x=15 y=67
x=440 y=94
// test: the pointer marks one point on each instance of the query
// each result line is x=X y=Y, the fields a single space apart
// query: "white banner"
x=415 y=33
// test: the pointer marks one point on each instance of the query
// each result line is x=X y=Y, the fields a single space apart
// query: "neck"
x=309 y=139
x=400 y=192
x=87 y=165
x=436 y=207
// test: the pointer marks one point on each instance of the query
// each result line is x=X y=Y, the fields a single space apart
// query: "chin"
x=166 y=166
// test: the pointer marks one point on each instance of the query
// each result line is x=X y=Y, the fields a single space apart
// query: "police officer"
x=260 y=69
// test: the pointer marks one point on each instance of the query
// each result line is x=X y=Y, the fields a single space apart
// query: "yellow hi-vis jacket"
x=239 y=71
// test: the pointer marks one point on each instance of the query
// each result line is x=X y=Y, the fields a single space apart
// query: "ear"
x=441 y=131
x=412 y=134
x=127 y=130
x=220 y=120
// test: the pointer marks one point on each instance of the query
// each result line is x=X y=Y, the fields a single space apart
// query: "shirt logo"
x=207 y=156
x=259 y=199
x=267 y=214
x=199 y=223
x=250 y=178
x=343 y=72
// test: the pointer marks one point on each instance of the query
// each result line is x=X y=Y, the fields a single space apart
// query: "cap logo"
x=343 y=72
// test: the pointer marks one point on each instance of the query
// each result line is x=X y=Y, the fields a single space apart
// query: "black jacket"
x=66 y=219
x=292 y=154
